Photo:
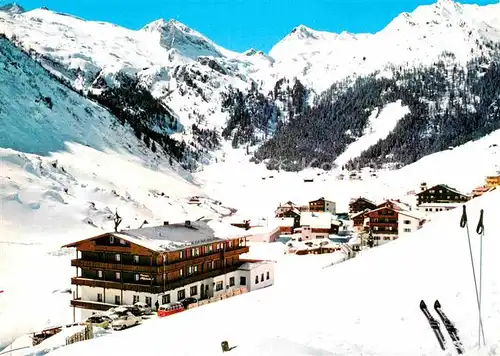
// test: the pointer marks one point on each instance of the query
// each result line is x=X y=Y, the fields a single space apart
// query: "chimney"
x=187 y=223
x=165 y=223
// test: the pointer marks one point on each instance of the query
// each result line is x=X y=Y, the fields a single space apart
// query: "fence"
x=222 y=296
x=85 y=334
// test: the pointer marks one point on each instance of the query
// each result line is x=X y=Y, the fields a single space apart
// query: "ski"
x=450 y=327
x=434 y=325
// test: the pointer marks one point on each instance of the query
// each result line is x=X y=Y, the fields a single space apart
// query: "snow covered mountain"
x=320 y=58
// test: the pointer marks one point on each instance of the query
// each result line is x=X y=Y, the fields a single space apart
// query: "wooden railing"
x=78 y=303
x=169 y=285
x=238 y=251
x=114 y=266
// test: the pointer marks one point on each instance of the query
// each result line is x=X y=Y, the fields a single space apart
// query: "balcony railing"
x=113 y=266
x=78 y=303
x=155 y=289
x=169 y=267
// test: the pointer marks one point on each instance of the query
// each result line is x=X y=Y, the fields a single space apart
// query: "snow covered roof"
x=248 y=266
x=282 y=222
x=453 y=190
x=320 y=220
x=176 y=236
x=257 y=230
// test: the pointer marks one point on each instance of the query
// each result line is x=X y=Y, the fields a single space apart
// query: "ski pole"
x=464 y=223
x=480 y=232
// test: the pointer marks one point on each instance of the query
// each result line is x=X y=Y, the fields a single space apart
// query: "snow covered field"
x=368 y=305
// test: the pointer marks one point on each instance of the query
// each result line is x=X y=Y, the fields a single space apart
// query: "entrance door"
x=202 y=292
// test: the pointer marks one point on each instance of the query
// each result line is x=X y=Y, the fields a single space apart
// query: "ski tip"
x=437 y=304
x=422 y=304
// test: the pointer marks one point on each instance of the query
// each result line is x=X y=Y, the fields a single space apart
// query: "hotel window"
x=111 y=239
x=137 y=277
x=99 y=274
x=407 y=230
x=136 y=259
x=262 y=277
x=117 y=257
x=230 y=244
x=243 y=281
x=136 y=299
x=407 y=222
x=231 y=281
x=117 y=299
x=180 y=272
x=117 y=275
x=193 y=291
x=210 y=248
x=181 y=255
x=99 y=297
x=122 y=242
x=165 y=299
x=219 y=286
x=181 y=295
x=256 y=279
x=148 y=301
x=267 y=275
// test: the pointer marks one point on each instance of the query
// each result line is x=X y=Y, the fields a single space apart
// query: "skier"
x=157 y=305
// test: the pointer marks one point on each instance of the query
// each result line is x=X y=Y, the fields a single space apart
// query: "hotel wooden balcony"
x=78 y=303
x=99 y=283
x=155 y=289
x=237 y=251
x=114 y=266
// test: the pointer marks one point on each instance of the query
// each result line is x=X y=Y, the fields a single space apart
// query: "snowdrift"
x=368 y=305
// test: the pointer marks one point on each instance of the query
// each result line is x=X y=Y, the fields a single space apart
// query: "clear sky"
x=242 y=24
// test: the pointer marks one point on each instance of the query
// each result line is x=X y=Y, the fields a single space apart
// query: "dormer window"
x=111 y=239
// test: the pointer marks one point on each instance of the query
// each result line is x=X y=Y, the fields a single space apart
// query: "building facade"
x=492 y=181
x=430 y=208
x=322 y=205
x=361 y=204
x=164 y=263
x=383 y=223
x=441 y=193
x=409 y=222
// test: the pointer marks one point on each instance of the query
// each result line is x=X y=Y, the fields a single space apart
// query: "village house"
x=289 y=210
x=493 y=181
x=441 y=194
x=360 y=220
x=283 y=208
x=285 y=225
x=383 y=224
x=322 y=205
x=409 y=221
x=166 y=263
x=361 y=204
x=263 y=233
x=317 y=225
x=479 y=191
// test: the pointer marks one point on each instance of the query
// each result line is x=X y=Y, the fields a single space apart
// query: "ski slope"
x=365 y=306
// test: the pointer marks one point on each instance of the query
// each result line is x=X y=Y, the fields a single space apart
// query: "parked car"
x=185 y=302
x=144 y=308
x=125 y=321
x=169 y=309
x=128 y=308
x=101 y=321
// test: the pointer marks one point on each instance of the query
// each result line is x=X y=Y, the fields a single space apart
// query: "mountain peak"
x=303 y=32
x=175 y=35
x=12 y=8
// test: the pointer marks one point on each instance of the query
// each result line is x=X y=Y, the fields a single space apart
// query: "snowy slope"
x=66 y=165
x=463 y=167
x=380 y=124
x=370 y=304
